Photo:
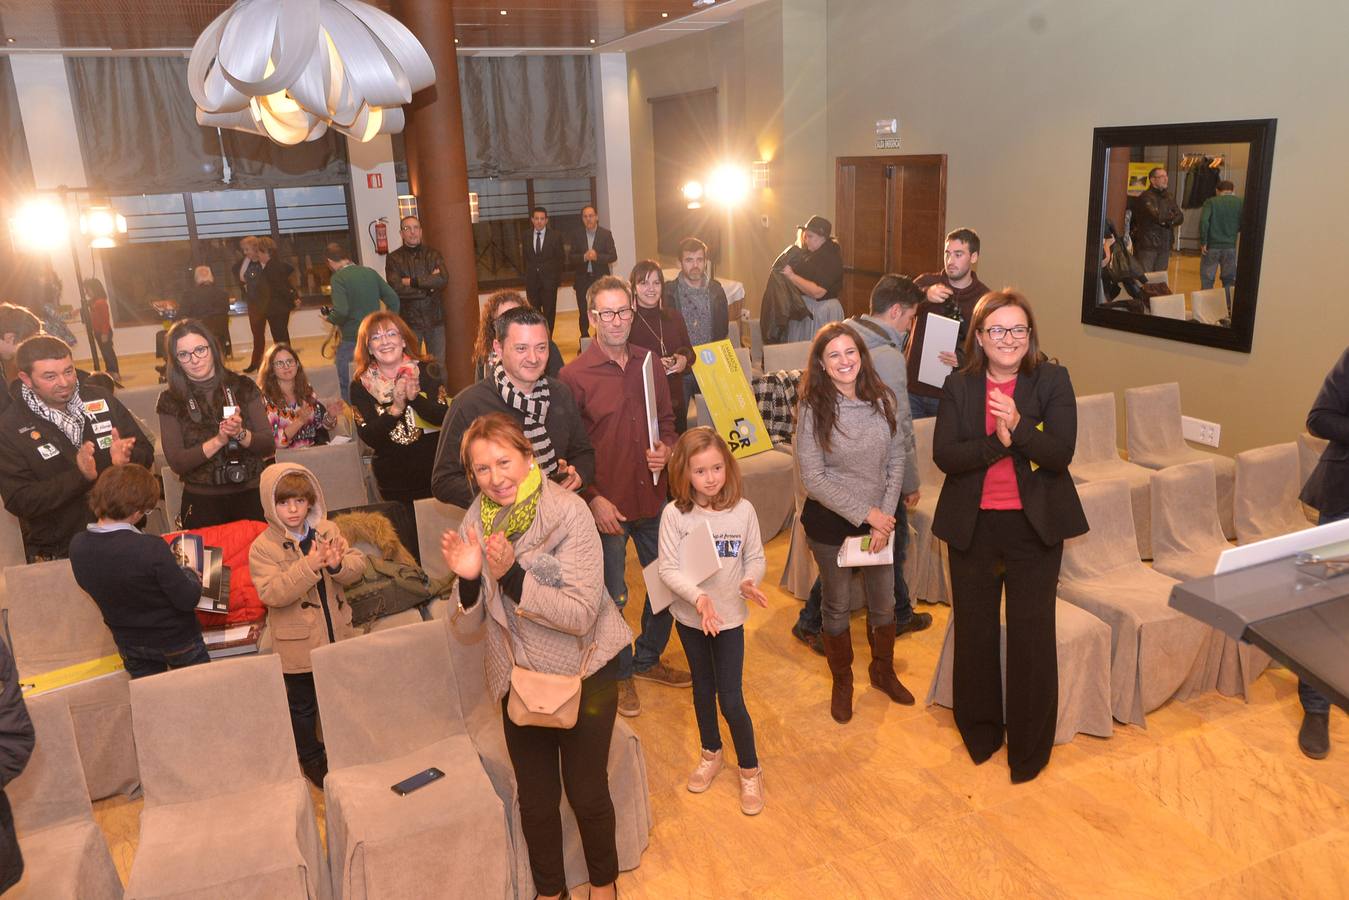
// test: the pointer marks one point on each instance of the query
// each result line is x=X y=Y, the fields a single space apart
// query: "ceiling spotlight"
x=9 y=40
x=665 y=15
x=592 y=40
x=503 y=12
x=456 y=40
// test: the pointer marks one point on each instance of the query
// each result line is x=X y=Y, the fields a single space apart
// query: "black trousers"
x=542 y=295
x=584 y=751
x=279 y=321
x=200 y=510
x=257 y=326
x=105 y=347
x=1006 y=554
x=582 y=284
x=304 y=716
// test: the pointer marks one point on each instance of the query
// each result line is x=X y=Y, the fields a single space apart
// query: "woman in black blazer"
x=1005 y=433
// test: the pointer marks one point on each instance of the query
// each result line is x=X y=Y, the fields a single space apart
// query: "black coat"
x=544 y=268
x=1327 y=488
x=16 y=746
x=962 y=449
x=605 y=251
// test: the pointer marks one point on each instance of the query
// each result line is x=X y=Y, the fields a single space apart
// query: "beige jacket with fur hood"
x=286 y=584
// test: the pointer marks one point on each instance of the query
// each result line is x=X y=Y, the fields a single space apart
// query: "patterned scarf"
x=535 y=409
x=70 y=420
x=516 y=518
x=381 y=388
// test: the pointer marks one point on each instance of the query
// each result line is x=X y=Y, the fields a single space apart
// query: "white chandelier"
x=289 y=69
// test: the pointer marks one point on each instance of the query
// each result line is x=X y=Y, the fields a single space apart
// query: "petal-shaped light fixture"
x=290 y=69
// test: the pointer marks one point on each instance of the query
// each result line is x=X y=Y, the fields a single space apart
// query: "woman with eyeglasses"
x=400 y=402
x=299 y=418
x=1005 y=432
x=214 y=430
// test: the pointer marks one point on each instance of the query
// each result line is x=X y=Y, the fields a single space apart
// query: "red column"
x=438 y=172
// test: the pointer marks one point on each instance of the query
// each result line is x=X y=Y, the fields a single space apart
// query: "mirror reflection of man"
x=1219 y=225
x=951 y=293
x=1156 y=216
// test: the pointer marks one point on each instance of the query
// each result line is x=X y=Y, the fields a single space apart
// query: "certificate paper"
x=939 y=336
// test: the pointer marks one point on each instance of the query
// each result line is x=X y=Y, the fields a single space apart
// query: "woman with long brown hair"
x=299 y=418
x=1004 y=436
x=400 y=401
x=483 y=357
x=851 y=455
x=661 y=329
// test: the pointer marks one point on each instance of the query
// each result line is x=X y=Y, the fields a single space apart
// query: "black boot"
x=1314 y=736
x=838 y=650
x=882 y=668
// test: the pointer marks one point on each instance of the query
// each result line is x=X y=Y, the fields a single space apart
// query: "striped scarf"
x=534 y=407
x=70 y=420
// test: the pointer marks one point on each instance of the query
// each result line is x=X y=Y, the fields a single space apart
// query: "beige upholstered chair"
x=1210 y=306
x=1168 y=306
x=467 y=638
x=1155 y=651
x=1155 y=440
x=1186 y=536
x=756 y=343
x=227 y=813
x=1084 y=672
x=337 y=467
x=323 y=379
x=53 y=624
x=799 y=570
x=1267 y=488
x=11 y=540
x=173 y=497
x=141 y=402
x=1309 y=450
x=434 y=518
x=786 y=356
x=64 y=853
x=1097 y=458
x=450 y=838
x=925 y=564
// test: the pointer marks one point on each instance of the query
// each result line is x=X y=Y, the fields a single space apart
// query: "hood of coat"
x=267 y=483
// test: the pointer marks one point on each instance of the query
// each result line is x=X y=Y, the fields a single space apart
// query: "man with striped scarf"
x=516 y=385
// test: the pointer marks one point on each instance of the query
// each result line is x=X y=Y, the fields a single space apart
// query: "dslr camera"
x=236 y=465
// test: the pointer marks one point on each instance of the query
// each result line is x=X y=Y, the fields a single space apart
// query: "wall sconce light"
x=102 y=224
x=693 y=194
x=473 y=207
x=407 y=206
x=761 y=173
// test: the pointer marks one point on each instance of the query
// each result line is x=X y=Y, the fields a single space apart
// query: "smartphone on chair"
x=420 y=780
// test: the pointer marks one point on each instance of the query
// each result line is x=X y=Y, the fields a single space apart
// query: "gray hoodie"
x=892 y=368
x=863 y=469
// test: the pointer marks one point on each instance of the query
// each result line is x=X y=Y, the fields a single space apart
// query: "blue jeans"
x=810 y=618
x=345 y=352
x=717 y=664
x=1209 y=263
x=434 y=340
x=142 y=661
x=1313 y=701
x=645 y=534
x=923 y=407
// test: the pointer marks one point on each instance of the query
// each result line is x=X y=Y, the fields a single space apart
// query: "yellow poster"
x=725 y=387
x=1138 y=177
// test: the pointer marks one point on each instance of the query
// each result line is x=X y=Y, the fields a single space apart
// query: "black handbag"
x=1123 y=266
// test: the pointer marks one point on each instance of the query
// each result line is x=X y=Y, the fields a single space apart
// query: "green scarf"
x=516 y=518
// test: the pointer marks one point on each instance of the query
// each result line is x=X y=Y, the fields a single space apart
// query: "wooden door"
x=890 y=214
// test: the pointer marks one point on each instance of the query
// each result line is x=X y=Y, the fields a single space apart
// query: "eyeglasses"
x=284 y=363
x=608 y=315
x=381 y=336
x=199 y=353
x=1017 y=332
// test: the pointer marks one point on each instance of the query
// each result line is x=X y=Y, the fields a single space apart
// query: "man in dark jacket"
x=951 y=293
x=17 y=325
x=16 y=746
x=417 y=273
x=543 y=257
x=518 y=387
x=593 y=262
x=55 y=438
x=1156 y=215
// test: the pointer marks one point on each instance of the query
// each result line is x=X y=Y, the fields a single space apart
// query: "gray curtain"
x=139 y=134
x=16 y=169
x=528 y=116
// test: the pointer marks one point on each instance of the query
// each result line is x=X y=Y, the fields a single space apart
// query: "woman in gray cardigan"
x=529 y=556
x=851 y=455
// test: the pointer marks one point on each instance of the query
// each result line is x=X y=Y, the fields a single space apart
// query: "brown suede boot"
x=838 y=650
x=882 y=668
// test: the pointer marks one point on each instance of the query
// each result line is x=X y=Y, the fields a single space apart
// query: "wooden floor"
x=1213 y=799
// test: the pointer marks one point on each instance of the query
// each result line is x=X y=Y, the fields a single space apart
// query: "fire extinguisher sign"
x=374 y=180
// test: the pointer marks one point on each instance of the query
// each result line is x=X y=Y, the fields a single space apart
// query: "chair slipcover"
x=434 y=518
x=926 y=565
x=1186 y=536
x=1155 y=651
x=1168 y=306
x=1084 y=673
x=337 y=467
x=1155 y=441
x=1210 y=306
x=11 y=540
x=53 y=624
x=64 y=853
x=1267 y=487
x=449 y=838
x=800 y=571
x=226 y=810
x=786 y=356
x=1309 y=450
x=467 y=636
x=323 y=379
x=1097 y=458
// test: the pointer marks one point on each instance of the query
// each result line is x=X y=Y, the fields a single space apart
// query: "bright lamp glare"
x=99 y=223
x=40 y=226
x=693 y=190
x=729 y=185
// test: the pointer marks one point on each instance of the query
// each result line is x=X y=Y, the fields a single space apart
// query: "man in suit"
x=543 y=265
x=593 y=262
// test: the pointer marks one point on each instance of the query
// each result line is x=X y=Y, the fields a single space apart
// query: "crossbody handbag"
x=543 y=699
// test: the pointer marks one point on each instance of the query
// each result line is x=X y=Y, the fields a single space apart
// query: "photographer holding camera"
x=214 y=429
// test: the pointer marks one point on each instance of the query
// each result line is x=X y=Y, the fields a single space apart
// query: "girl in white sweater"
x=705 y=482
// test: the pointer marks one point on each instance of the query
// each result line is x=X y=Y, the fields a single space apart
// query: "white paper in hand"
x=698 y=560
x=652 y=424
x=658 y=593
x=855 y=552
x=939 y=336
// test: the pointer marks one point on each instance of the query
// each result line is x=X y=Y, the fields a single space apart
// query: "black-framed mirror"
x=1175 y=229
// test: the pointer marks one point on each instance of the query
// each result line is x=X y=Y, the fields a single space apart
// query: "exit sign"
x=887 y=143
x=374 y=181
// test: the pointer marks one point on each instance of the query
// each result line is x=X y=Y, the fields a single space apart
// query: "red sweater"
x=1000 y=490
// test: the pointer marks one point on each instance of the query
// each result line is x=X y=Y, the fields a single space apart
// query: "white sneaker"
x=751 y=791
x=708 y=766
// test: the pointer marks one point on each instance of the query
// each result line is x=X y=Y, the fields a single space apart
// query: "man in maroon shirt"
x=952 y=293
x=626 y=501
